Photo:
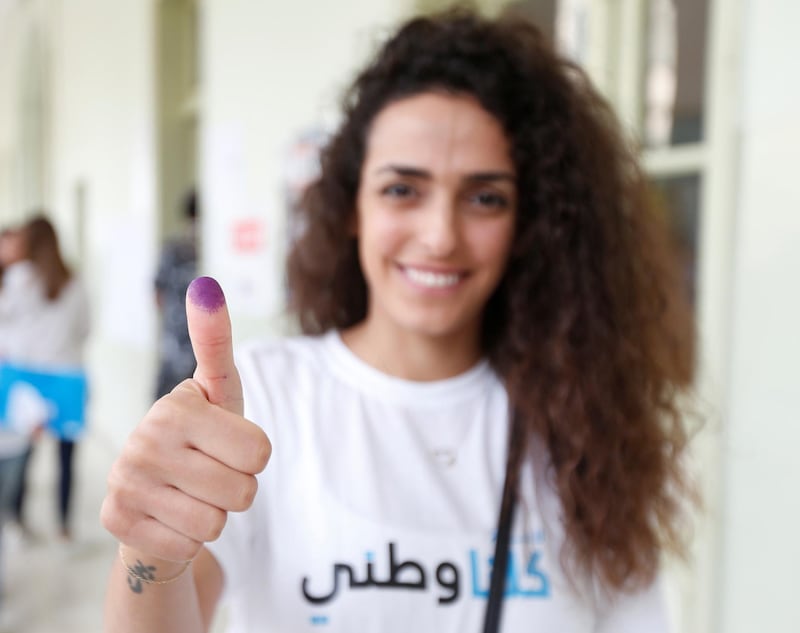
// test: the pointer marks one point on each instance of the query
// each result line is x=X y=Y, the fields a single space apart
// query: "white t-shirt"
x=38 y=332
x=378 y=507
x=22 y=298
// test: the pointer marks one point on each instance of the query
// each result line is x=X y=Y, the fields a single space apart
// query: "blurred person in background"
x=21 y=422
x=47 y=335
x=22 y=297
x=177 y=267
x=21 y=289
x=493 y=326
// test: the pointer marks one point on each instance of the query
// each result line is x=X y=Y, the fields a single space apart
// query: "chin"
x=434 y=329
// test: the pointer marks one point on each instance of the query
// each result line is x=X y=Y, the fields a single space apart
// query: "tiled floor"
x=51 y=586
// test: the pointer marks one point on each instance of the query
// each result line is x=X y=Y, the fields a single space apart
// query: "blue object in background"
x=64 y=393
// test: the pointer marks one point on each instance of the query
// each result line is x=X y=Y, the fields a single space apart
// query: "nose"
x=439 y=230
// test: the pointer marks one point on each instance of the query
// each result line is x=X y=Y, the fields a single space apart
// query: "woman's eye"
x=398 y=190
x=490 y=199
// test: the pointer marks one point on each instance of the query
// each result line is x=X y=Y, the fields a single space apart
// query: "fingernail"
x=205 y=293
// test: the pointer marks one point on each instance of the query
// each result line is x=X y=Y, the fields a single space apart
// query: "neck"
x=412 y=356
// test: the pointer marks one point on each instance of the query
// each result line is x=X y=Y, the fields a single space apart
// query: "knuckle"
x=108 y=515
x=258 y=451
x=245 y=494
x=161 y=409
x=171 y=409
x=262 y=450
x=114 y=480
x=114 y=519
x=187 y=384
x=164 y=418
x=117 y=490
x=185 y=390
x=215 y=524
x=165 y=424
x=136 y=455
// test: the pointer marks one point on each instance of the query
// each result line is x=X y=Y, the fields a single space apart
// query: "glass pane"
x=679 y=197
x=674 y=75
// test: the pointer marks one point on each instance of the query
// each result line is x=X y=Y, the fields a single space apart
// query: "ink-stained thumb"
x=212 y=342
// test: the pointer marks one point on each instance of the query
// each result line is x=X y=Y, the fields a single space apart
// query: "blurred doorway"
x=178 y=76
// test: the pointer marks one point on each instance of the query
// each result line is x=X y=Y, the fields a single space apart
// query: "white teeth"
x=432 y=280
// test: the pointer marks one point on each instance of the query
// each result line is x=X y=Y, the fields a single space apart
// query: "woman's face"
x=436 y=210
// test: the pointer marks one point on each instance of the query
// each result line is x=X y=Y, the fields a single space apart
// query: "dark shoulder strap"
x=494 y=606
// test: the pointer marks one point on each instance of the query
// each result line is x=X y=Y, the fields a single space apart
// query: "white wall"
x=16 y=26
x=104 y=142
x=760 y=550
x=269 y=71
x=100 y=177
x=7 y=88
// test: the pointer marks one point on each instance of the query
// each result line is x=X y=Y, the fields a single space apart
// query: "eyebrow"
x=415 y=172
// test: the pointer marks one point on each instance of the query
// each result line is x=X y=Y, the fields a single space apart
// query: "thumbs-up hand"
x=193 y=457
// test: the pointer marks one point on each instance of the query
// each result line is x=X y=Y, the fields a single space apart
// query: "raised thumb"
x=210 y=332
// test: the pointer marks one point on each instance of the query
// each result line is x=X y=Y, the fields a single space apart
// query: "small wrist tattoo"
x=141 y=574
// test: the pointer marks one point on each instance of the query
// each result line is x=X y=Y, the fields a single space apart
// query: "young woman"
x=486 y=296
x=21 y=295
x=47 y=335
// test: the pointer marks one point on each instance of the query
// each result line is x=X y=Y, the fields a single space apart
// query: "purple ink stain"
x=206 y=294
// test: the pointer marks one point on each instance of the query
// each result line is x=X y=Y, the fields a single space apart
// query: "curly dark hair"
x=588 y=328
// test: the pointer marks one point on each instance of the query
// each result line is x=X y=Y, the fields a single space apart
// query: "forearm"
x=133 y=605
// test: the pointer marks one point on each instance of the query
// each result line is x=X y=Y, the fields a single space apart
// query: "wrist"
x=145 y=569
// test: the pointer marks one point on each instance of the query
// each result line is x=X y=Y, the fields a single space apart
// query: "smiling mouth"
x=430 y=279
